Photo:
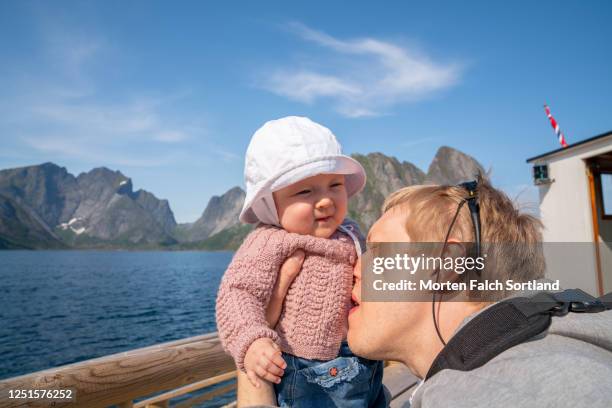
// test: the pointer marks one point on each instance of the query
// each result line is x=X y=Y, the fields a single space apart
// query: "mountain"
x=95 y=209
x=109 y=211
x=450 y=166
x=45 y=206
x=20 y=228
x=47 y=190
x=384 y=175
x=227 y=239
x=221 y=213
x=387 y=174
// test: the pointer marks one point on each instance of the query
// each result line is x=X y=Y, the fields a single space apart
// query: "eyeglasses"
x=472 y=201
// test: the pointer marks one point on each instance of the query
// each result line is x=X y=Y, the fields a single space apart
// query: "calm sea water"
x=61 y=307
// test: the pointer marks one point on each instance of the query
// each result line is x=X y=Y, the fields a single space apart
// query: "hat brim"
x=354 y=181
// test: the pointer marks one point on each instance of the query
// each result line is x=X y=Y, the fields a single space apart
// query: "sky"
x=169 y=93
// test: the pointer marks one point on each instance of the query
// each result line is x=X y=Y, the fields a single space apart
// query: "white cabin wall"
x=565 y=210
x=565 y=207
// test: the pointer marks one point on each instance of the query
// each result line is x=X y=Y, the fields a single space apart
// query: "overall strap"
x=347 y=230
x=509 y=323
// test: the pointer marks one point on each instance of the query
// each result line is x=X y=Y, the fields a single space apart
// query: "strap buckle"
x=577 y=301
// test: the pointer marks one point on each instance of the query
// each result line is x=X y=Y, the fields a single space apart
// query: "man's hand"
x=290 y=269
x=263 y=360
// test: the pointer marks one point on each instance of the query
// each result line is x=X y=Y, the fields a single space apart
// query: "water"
x=61 y=307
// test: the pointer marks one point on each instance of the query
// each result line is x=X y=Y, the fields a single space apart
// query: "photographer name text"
x=485 y=285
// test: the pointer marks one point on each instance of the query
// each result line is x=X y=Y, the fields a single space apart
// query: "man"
x=570 y=364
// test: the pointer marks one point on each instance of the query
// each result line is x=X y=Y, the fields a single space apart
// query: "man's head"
x=405 y=331
x=513 y=237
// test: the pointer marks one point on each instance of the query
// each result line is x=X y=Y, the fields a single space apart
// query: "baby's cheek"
x=298 y=218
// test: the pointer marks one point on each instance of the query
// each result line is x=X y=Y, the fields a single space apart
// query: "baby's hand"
x=263 y=360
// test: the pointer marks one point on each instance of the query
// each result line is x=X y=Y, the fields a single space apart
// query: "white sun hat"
x=285 y=151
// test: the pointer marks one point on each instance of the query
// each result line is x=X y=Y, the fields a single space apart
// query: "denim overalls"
x=346 y=381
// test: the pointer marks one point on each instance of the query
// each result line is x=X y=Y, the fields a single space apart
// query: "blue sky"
x=171 y=92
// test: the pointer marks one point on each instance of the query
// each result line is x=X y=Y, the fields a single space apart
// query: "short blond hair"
x=516 y=236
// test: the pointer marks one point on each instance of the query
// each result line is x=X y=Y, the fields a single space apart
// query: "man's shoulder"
x=570 y=364
x=526 y=380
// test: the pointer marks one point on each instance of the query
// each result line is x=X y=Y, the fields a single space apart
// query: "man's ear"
x=454 y=249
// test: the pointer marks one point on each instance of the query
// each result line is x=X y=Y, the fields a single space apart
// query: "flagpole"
x=555 y=126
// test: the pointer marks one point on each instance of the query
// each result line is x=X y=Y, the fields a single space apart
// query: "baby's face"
x=313 y=206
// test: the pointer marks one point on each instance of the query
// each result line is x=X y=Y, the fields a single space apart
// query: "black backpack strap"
x=606 y=300
x=507 y=324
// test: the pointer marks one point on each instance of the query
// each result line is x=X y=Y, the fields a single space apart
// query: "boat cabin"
x=575 y=194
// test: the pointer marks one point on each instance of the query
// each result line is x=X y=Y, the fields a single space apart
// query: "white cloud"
x=308 y=86
x=74 y=148
x=66 y=110
x=143 y=119
x=225 y=155
x=171 y=136
x=70 y=53
x=376 y=76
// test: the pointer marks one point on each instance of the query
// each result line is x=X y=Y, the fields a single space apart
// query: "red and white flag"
x=555 y=126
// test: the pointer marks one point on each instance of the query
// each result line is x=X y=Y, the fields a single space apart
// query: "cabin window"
x=606 y=194
x=540 y=174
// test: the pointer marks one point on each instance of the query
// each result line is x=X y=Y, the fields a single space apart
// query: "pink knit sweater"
x=313 y=322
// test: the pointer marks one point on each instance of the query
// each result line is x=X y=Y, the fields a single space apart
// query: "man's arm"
x=287 y=274
x=248 y=394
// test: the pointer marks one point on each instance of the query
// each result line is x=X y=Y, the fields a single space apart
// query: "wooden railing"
x=153 y=375
x=119 y=379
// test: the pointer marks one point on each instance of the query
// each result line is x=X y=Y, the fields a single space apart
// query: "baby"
x=298 y=185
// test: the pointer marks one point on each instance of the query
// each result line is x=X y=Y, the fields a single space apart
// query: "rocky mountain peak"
x=46 y=204
x=221 y=213
x=385 y=174
x=103 y=174
x=451 y=166
x=96 y=206
x=125 y=186
x=46 y=189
